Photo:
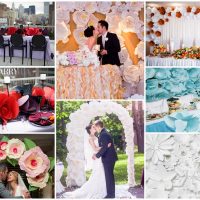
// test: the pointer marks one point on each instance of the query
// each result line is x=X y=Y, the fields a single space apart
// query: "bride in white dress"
x=91 y=34
x=95 y=187
x=16 y=184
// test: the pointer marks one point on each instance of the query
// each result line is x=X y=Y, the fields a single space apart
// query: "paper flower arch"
x=30 y=159
x=75 y=139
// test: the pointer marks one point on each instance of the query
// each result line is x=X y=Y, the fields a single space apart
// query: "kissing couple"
x=108 y=42
x=101 y=183
x=15 y=187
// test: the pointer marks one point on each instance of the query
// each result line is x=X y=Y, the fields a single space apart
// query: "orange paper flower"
x=158 y=33
x=162 y=10
x=150 y=24
x=161 y=22
x=189 y=9
x=178 y=15
x=197 y=11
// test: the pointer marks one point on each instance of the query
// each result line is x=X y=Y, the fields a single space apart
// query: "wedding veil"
x=21 y=183
x=88 y=152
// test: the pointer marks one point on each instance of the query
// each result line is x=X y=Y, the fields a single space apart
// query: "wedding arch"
x=75 y=139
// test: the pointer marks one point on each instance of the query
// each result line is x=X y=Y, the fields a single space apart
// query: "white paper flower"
x=81 y=18
x=62 y=32
x=157 y=146
x=139 y=50
x=177 y=175
x=15 y=148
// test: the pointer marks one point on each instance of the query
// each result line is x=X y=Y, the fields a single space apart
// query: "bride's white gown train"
x=95 y=187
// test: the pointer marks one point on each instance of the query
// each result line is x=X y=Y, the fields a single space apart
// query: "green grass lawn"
x=121 y=176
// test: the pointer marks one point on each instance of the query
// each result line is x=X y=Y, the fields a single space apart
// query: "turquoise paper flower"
x=183 y=122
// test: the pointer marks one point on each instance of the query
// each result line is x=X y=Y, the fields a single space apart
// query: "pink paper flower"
x=39 y=181
x=2 y=155
x=3 y=145
x=15 y=148
x=34 y=162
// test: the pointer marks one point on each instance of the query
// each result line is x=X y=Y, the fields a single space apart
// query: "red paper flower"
x=9 y=108
x=49 y=95
x=38 y=91
x=15 y=94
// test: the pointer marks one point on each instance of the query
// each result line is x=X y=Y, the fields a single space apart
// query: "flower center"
x=15 y=150
x=1 y=154
x=34 y=163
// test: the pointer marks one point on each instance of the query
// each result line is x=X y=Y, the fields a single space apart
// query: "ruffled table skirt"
x=170 y=62
x=75 y=82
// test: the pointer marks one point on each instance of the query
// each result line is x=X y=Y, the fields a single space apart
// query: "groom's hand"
x=104 y=52
x=94 y=157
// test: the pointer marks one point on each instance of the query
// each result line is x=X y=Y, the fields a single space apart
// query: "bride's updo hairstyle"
x=88 y=128
x=88 y=32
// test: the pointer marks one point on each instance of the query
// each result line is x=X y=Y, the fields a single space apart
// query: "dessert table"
x=36 y=54
x=171 y=61
x=75 y=82
x=159 y=125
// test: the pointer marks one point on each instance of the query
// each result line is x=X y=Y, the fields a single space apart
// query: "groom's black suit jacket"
x=112 y=46
x=108 y=154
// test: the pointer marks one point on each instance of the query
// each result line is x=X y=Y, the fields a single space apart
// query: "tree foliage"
x=63 y=111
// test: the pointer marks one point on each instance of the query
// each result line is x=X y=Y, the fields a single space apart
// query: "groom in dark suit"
x=109 y=157
x=109 y=45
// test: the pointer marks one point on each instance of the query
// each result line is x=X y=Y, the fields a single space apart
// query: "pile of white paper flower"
x=82 y=58
x=172 y=166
